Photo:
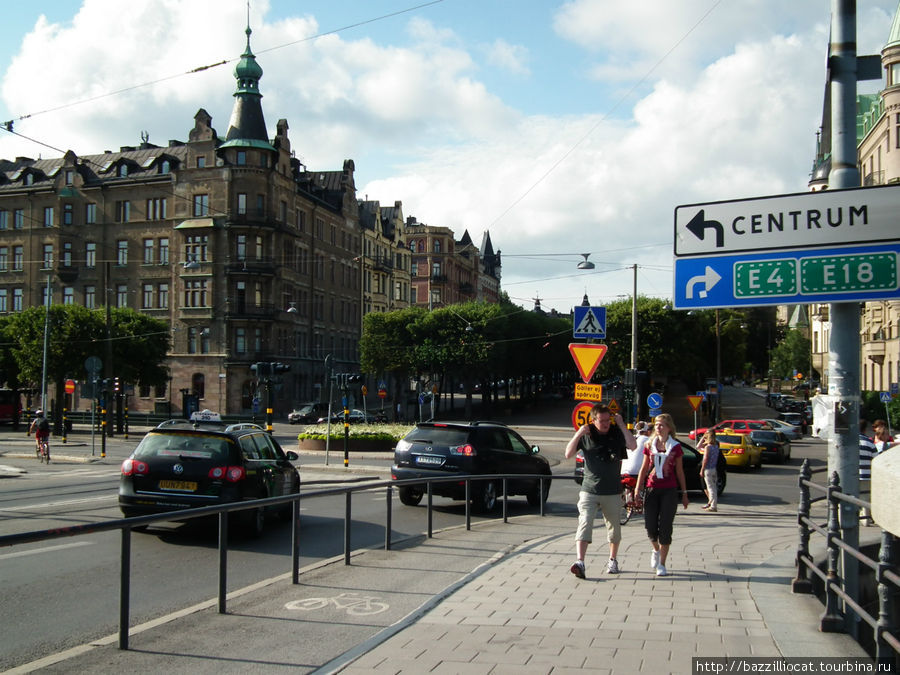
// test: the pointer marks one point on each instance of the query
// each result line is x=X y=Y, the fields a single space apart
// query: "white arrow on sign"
x=709 y=278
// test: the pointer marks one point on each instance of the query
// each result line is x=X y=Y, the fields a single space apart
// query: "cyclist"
x=631 y=467
x=41 y=428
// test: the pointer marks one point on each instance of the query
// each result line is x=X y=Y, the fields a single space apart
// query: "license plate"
x=183 y=485
x=429 y=459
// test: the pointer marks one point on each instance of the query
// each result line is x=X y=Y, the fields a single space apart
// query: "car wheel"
x=485 y=499
x=255 y=522
x=536 y=494
x=721 y=481
x=411 y=496
x=780 y=457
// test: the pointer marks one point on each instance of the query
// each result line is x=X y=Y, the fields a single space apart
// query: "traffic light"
x=261 y=369
x=280 y=367
x=355 y=378
x=116 y=386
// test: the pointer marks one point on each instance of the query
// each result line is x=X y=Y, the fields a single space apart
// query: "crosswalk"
x=68 y=474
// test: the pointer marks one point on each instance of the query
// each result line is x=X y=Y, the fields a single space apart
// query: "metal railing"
x=887 y=644
x=127 y=525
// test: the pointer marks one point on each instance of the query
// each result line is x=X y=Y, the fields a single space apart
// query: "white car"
x=792 y=431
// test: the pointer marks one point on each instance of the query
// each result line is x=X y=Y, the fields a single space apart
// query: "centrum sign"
x=801 y=220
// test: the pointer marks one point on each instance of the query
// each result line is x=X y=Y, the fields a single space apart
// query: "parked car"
x=355 y=417
x=690 y=463
x=183 y=464
x=738 y=449
x=772 y=444
x=737 y=426
x=791 y=431
x=440 y=449
x=308 y=413
x=793 y=418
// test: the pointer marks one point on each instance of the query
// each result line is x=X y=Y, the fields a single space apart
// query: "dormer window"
x=28 y=179
x=165 y=166
x=122 y=170
x=70 y=175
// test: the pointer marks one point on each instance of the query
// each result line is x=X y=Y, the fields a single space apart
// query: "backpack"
x=44 y=424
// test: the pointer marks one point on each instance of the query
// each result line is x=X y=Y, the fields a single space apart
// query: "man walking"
x=604 y=447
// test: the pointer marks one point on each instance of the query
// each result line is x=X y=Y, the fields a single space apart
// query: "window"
x=4 y=219
x=201 y=205
x=259 y=248
x=4 y=307
x=192 y=339
x=165 y=166
x=4 y=258
x=196 y=247
x=69 y=176
x=147 y=296
x=240 y=340
x=241 y=158
x=204 y=341
x=122 y=295
x=123 y=211
x=195 y=293
x=301 y=221
x=90 y=214
x=437 y=245
x=201 y=161
x=148 y=251
x=122 y=170
x=164 y=251
x=90 y=297
x=18 y=262
x=242 y=203
x=90 y=254
x=17 y=300
x=414 y=269
x=48 y=216
x=156 y=208
x=67 y=254
x=435 y=296
x=263 y=160
x=47 y=256
x=198 y=384
x=283 y=212
x=257 y=339
x=260 y=205
x=122 y=252
x=18 y=219
x=162 y=296
x=436 y=269
x=28 y=179
x=68 y=214
x=241 y=247
x=68 y=295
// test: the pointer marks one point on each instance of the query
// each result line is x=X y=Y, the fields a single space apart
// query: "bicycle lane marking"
x=354 y=604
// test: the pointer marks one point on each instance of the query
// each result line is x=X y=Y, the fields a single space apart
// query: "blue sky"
x=560 y=127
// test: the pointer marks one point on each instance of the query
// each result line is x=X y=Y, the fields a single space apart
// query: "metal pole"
x=843 y=367
x=632 y=405
x=718 y=415
x=46 y=334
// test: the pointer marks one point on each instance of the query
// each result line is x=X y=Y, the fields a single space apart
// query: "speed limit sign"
x=581 y=415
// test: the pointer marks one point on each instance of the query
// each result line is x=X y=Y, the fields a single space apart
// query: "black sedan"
x=691 y=463
x=773 y=444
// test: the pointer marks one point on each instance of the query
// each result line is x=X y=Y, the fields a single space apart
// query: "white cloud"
x=509 y=57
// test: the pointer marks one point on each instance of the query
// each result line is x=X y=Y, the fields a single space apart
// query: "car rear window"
x=763 y=435
x=450 y=436
x=197 y=446
x=729 y=438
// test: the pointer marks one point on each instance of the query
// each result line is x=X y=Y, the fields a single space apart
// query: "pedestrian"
x=604 y=447
x=882 y=439
x=709 y=446
x=663 y=469
x=867 y=451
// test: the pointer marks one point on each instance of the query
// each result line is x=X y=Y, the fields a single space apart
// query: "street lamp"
x=46 y=335
x=719 y=386
x=585 y=264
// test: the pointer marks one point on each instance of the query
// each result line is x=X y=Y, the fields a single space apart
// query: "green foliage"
x=382 y=432
x=871 y=408
x=792 y=353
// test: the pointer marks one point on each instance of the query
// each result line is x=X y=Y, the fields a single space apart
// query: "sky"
x=561 y=128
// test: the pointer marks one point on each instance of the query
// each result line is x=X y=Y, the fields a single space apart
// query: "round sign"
x=382 y=393
x=654 y=401
x=93 y=364
x=70 y=386
x=581 y=415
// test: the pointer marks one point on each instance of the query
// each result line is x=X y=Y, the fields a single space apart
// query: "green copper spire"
x=895 y=29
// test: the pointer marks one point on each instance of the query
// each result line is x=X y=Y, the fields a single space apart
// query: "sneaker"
x=706 y=507
x=612 y=567
x=712 y=509
x=654 y=560
x=577 y=569
x=661 y=571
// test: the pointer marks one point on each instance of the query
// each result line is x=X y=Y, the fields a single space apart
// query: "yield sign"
x=587 y=358
x=695 y=401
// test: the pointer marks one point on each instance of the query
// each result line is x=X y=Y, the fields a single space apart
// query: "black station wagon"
x=438 y=449
x=182 y=464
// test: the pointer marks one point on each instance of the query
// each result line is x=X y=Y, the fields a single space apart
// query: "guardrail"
x=884 y=627
x=127 y=525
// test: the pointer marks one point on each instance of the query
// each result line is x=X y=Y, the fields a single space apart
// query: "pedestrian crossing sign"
x=589 y=322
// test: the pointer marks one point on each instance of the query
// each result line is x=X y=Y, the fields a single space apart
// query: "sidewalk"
x=501 y=599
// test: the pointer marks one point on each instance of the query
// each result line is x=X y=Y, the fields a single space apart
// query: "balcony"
x=245 y=310
x=261 y=265
x=383 y=264
x=67 y=273
x=439 y=278
x=874 y=178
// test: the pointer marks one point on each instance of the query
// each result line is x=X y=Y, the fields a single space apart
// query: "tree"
x=791 y=355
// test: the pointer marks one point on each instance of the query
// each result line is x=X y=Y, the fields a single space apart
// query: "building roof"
x=247 y=127
x=894 y=37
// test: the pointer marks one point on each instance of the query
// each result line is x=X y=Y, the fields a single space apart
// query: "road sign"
x=885 y=397
x=613 y=407
x=695 y=402
x=801 y=276
x=382 y=393
x=93 y=364
x=895 y=388
x=365 y=390
x=588 y=392
x=589 y=322
x=581 y=415
x=799 y=220
x=702 y=395
x=654 y=401
x=587 y=358
x=70 y=386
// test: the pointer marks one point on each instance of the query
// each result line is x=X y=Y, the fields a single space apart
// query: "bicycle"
x=629 y=483
x=43 y=450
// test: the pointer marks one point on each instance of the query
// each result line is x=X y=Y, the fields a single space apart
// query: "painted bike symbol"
x=354 y=603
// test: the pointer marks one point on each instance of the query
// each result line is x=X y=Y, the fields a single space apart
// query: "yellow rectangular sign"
x=588 y=392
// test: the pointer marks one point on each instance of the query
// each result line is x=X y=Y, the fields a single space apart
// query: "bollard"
x=801 y=583
x=886 y=599
x=832 y=622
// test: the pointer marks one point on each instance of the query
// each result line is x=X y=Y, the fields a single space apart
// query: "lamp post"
x=46 y=335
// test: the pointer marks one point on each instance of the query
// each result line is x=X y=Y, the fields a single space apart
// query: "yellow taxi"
x=738 y=450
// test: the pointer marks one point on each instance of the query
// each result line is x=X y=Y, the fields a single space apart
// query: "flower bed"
x=362 y=437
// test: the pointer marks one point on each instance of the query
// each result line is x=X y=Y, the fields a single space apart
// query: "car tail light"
x=465 y=450
x=217 y=472
x=135 y=467
x=234 y=474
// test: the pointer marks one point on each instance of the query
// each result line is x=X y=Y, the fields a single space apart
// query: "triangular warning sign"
x=587 y=358
x=695 y=401
x=589 y=323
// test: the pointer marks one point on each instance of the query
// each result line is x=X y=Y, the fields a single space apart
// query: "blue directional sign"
x=654 y=401
x=895 y=388
x=589 y=322
x=855 y=273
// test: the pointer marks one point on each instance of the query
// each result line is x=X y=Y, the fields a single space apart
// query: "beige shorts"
x=610 y=507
